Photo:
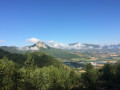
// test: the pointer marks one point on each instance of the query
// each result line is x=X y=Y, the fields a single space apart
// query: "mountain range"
x=63 y=51
x=72 y=46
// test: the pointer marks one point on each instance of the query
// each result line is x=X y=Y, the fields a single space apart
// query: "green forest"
x=38 y=71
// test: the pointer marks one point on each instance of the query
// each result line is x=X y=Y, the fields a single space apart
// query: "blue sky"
x=65 y=21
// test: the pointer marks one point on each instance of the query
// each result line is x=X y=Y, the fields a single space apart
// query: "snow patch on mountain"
x=75 y=46
x=35 y=47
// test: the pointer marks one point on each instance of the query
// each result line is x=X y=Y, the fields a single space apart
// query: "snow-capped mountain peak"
x=37 y=46
x=72 y=46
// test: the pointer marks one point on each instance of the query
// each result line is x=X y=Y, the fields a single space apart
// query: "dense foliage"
x=42 y=72
x=31 y=77
x=40 y=59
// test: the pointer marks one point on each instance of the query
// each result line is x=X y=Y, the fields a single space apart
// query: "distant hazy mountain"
x=42 y=47
x=12 y=49
x=82 y=46
x=36 y=46
x=64 y=51
x=73 y=46
x=79 y=46
x=113 y=46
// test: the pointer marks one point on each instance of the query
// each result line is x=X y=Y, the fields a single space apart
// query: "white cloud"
x=1 y=41
x=32 y=48
x=33 y=40
x=51 y=41
x=115 y=44
x=57 y=45
x=65 y=46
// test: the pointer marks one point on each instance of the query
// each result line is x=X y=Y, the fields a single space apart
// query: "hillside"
x=40 y=59
x=67 y=52
x=57 y=53
x=11 y=49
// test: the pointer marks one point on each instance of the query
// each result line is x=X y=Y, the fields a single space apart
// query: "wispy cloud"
x=1 y=41
x=33 y=40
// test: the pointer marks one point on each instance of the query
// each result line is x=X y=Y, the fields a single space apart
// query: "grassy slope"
x=58 y=53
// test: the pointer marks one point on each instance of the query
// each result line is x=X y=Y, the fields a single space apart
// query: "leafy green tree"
x=73 y=77
x=16 y=78
x=1 y=75
x=90 y=77
x=89 y=67
x=7 y=69
x=108 y=75
x=118 y=72
x=117 y=75
x=29 y=63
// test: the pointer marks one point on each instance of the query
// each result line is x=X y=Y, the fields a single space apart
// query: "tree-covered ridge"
x=11 y=49
x=18 y=58
x=57 y=53
x=31 y=77
x=51 y=74
x=40 y=59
